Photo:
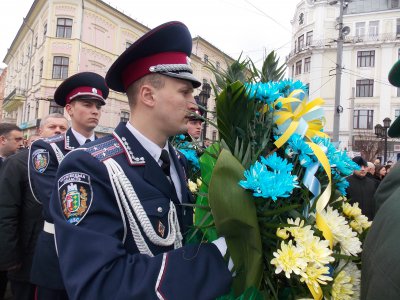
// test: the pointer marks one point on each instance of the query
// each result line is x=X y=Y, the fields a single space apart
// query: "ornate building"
x=60 y=38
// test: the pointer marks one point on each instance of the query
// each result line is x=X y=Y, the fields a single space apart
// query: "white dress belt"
x=48 y=227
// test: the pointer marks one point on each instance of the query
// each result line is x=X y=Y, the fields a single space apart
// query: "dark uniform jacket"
x=98 y=255
x=20 y=217
x=380 y=275
x=44 y=158
x=362 y=190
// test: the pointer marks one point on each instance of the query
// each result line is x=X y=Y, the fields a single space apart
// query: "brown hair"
x=155 y=80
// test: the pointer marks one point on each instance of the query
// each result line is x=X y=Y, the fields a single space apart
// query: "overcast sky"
x=233 y=26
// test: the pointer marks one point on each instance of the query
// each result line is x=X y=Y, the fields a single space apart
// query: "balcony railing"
x=14 y=100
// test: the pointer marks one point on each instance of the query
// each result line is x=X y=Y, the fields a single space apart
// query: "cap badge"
x=94 y=90
x=188 y=61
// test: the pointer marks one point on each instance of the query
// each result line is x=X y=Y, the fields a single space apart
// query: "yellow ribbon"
x=314 y=129
x=303 y=108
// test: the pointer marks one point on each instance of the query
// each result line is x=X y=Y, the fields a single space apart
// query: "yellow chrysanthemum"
x=360 y=223
x=317 y=251
x=282 y=233
x=355 y=278
x=199 y=182
x=351 y=211
x=299 y=231
x=315 y=275
x=192 y=186
x=342 y=288
x=289 y=259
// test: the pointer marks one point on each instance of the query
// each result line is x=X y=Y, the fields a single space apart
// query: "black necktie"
x=166 y=163
x=88 y=141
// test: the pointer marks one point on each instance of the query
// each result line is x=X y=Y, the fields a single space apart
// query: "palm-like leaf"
x=270 y=70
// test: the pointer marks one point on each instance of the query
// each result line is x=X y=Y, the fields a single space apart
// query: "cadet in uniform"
x=82 y=95
x=117 y=204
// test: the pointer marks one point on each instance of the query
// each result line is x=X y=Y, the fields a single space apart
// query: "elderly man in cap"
x=361 y=189
x=123 y=239
x=82 y=95
x=380 y=274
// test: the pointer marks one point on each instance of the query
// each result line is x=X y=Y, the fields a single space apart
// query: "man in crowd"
x=82 y=95
x=123 y=239
x=11 y=140
x=195 y=124
x=361 y=189
x=380 y=274
x=21 y=215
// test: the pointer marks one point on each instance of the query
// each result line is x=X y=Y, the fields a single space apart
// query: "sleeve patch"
x=40 y=160
x=75 y=194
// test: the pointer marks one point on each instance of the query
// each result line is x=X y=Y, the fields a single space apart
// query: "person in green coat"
x=380 y=274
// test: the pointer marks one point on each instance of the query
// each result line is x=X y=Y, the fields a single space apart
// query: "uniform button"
x=160 y=210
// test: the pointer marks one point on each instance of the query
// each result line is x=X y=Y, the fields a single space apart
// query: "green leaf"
x=236 y=219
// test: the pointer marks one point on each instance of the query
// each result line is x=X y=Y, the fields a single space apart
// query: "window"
x=360 y=29
x=60 y=67
x=55 y=108
x=307 y=63
x=366 y=58
x=364 y=88
x=309 y=37
x=396 y=113
x=45 y=29
x=398 y=92
x=373 y=29
x=64 y=28
x=298 y=67
x=36 y=41
x=398 y=27
x=124 y=116
x=301 y=42
x=214 y=135
x=41 y=68
x=362 y=119
x=205 y=58
x=301 y=19
x=394 y=4
x=127 y=45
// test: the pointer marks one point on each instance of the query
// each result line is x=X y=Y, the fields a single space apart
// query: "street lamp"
x=381 y=132
x=203 y=99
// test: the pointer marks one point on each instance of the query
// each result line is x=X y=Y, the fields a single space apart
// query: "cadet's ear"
x=146 y=95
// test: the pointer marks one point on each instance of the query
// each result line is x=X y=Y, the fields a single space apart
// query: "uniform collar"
x=70 y=142
x=151 y=147
x=80 y=138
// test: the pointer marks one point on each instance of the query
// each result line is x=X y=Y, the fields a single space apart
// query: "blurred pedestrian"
x=361 y=189
x=380 y=173
x=21 y=215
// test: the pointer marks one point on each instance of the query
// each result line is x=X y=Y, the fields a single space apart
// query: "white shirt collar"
x=150 y=146
x=80 y=138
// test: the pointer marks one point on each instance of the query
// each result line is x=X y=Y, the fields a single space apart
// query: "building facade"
x=60 y=38
x=371 y=33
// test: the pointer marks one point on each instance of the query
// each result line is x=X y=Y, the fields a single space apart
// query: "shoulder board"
x=105 y=149
x=54 y=139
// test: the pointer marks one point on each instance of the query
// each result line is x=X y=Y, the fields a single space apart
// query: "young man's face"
x=362 y=172
x=53 y=126
x=85 y=114
x=11 y=142
x=173 y=105
x=194 y=128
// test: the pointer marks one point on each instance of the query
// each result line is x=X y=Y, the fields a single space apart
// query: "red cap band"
x=84 y=91
x=139 y=68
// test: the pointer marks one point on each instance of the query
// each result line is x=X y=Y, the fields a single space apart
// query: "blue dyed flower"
x=191 y=156
x=264 y=92
x=297 y=145
x=270 y=178
x=287 y=86
x=341 y=184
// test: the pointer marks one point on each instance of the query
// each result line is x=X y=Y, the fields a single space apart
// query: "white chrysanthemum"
x=289 y=259
x=341 y=231
x=299 y=231
x=351 y=211
x=192 y=186
x=317 y=251
x=315 y=275
x=199 y=182
x=355 y=277
x=360 y=223
x=342 y=288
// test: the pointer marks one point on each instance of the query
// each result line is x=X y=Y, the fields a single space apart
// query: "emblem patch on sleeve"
x=40 y=160
x=75 y=193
